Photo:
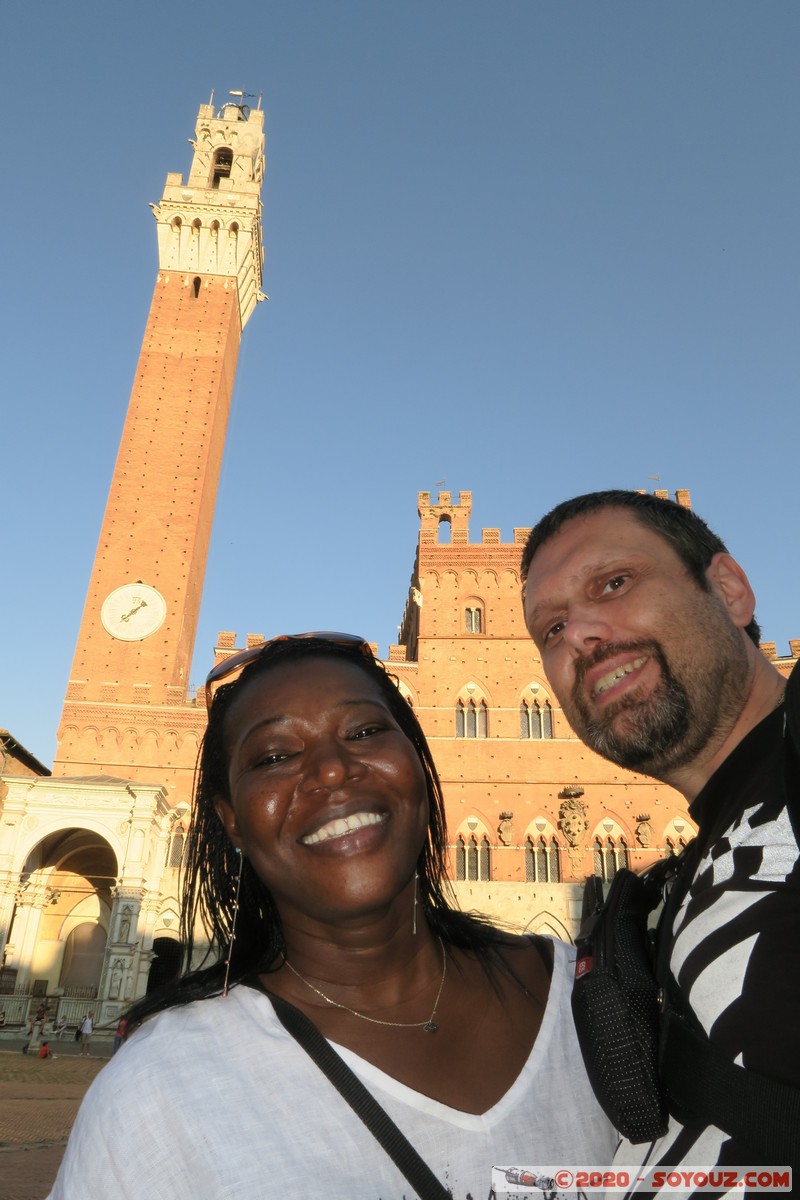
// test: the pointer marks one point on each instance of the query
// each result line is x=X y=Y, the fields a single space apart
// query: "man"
x=645 y=627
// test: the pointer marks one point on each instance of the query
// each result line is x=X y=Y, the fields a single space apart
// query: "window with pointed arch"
x=609 y=857
x=473 y=859
x=472 y=720
x=675 y=845
x=176 y=846
x=535 y=719
x=542 y=864
x=473 y=619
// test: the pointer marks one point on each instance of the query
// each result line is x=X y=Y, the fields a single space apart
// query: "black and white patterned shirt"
x=736 y=937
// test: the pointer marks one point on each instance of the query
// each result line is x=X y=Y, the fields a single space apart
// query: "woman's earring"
x=233 y=923
x=414 y=921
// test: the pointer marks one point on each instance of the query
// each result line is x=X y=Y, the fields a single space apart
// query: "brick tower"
x=126 y=712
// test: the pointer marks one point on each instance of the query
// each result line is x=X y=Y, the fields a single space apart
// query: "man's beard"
x=655 y=733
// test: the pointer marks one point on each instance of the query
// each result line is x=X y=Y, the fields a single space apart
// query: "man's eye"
x=615 y=583
x=553 y=632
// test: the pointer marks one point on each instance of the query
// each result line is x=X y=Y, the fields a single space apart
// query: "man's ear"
x=729 y=582
x=227 y=817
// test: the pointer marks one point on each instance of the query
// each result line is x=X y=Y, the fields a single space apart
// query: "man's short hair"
x=690 y=537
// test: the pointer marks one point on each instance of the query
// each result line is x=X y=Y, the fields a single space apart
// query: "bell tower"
x=128 y=683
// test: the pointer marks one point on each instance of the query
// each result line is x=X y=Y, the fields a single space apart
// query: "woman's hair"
x=212 y=864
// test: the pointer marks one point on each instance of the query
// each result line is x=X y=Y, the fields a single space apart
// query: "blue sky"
x=529 y=247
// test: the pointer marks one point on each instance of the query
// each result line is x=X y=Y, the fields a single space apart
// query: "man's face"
x=646 y=665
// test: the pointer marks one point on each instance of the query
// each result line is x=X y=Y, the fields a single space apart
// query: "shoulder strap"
x=362 y=1102
x=702 y=1083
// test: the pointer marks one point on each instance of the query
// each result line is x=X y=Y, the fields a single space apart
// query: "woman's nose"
x=328 y=766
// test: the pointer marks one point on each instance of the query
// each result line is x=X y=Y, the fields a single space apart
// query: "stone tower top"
x=433 y=515
x=211 y=224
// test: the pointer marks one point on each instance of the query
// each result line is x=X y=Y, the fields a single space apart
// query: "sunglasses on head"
x=234 y=665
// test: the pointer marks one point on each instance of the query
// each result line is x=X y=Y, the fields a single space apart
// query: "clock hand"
x=127 y=616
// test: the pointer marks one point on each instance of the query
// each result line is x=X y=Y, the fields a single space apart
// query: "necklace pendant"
x=430 y=1026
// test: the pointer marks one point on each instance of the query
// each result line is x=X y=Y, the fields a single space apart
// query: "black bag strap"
x=362 y=1102
x=757 y=1112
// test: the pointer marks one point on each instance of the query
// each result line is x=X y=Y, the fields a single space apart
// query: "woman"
x=319 y=810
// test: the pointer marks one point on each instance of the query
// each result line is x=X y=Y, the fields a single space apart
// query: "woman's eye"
x=367 y=731
x=271 y=758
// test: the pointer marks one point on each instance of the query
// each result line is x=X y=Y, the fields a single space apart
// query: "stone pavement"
x=38 y=1102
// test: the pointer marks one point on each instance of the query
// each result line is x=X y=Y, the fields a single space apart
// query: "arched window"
x=675 y=847
x=175 y=855
x=472 y=720
x=472 y=859
x=609 y=857
x=484 y=860
x=461 y=859
x=541 y=861
x=221 y=166
x=196 y=286
x=477 y=859
x=473 y=619
x=535 y=720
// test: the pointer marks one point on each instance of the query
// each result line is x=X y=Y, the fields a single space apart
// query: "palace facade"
x=90 y=854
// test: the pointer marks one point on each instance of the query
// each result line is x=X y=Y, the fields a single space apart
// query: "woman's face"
x=327 y=797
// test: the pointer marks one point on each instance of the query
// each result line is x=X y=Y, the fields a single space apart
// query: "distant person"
x=646 y=630
x=2 y=1019
x=119 y=1036
x=45 y=1051
x=39 y=1018
x=86 y=1029
x=59 y=1026
x=317 y=851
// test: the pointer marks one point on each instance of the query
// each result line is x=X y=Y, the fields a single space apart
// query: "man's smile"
x=611 y=677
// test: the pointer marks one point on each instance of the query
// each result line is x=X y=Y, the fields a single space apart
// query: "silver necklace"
x=429 y=1026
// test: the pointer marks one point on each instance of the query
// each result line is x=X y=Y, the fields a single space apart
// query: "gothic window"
x=484 y=860
x=473 y=859
x=474 y=620
x=609 y=857
x=535 y=720
x=175 y=855
x=460 y=720
x=675 y=847
x=196 y=286
x=461 y=859
x=541 y=861
x=472 y=720
x=222 y=165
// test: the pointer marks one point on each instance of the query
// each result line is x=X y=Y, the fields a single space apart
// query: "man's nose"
x=585 y=629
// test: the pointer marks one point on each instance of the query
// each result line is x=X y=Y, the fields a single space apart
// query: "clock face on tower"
x=132 y=612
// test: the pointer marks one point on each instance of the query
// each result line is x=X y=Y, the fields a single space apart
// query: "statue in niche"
x=115 y=986
x=125 y=925
x=573 y=820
